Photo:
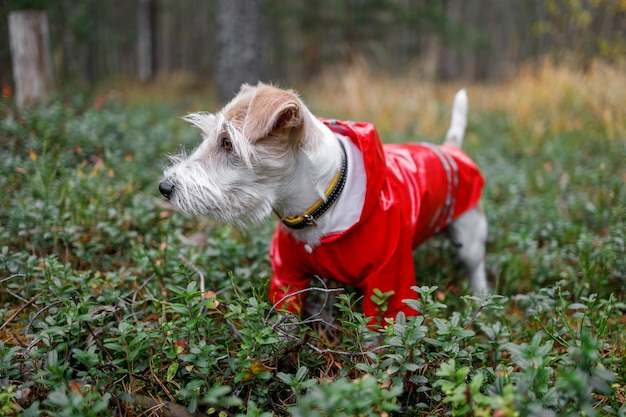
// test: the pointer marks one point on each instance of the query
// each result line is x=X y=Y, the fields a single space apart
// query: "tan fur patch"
x=258 y=112
x=238 y=107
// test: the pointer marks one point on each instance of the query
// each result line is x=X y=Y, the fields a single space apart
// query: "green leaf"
x=171 y=371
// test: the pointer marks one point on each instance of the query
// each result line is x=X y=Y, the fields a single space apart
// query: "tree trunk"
x=240 y=45
x=145 y=23
x=449 y=64
x=32 y=62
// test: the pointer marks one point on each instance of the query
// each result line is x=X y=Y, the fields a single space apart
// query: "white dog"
x=351 y=209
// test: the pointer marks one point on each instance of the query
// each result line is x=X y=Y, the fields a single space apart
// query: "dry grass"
x=540 y=101
x=536 y=102
x=177 y=87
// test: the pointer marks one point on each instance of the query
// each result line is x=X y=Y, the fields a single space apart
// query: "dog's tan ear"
x=271 y=109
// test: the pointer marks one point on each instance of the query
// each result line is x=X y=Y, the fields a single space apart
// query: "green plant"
x=343 y=397
x=109 y=297
x=461 y=392
x=8 y=404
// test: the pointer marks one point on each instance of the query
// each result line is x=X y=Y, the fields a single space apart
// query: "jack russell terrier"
x=351 y=208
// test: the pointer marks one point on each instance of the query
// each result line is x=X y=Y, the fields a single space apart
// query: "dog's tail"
x=459 y=120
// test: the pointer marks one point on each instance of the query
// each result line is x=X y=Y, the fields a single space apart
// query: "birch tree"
x=30 y=52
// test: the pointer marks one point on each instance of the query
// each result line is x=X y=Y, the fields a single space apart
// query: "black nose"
x=166 y=187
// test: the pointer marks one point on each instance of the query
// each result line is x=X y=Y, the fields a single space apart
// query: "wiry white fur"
x=244 y=187
x=319 y=160
x=226 y=186
x=469 y=230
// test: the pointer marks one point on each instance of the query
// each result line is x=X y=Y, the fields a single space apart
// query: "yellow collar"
x=309 y=216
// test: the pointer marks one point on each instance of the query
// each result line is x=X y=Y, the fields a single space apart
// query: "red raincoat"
x=412 y=192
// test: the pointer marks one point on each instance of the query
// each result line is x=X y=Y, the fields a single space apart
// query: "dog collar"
x=309 y=217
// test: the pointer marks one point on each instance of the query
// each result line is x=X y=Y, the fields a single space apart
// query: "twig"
x=11 y=277
x=313 y=318
x=100 y=344
x=473 y=317
x=17 y=339
x=163 y=408
x=305 y=290
x=19 y=297
x=18 y=311
x=343 y=352
x=182 y=258
x=38 y=313
x=233 y=328
x=159 y=382
x=143 y=284
x=300 y=342
x=134 y=298
x=308 y=321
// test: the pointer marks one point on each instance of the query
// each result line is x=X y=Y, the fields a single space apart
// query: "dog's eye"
x=225 y=142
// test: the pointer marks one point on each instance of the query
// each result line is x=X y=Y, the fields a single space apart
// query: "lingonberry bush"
x=113 y=303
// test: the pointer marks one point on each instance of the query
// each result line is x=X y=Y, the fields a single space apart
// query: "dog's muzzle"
x=166 y=187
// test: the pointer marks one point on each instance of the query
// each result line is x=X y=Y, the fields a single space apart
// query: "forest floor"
x=114 y=303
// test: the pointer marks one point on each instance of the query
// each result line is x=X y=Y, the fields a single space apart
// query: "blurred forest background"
x=226 y=42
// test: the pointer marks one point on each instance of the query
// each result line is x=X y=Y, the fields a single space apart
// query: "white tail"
x=459 y=119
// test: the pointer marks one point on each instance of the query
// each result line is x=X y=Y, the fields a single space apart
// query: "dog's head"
x=248 y=148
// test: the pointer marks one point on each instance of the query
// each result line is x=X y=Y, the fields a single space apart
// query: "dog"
x=351 y=209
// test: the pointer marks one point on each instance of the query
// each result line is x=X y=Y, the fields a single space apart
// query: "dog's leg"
x=468 y=232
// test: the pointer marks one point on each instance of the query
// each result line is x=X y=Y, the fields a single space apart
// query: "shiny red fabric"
x=412 y=193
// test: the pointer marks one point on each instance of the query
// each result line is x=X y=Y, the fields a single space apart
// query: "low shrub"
x=113 y=303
